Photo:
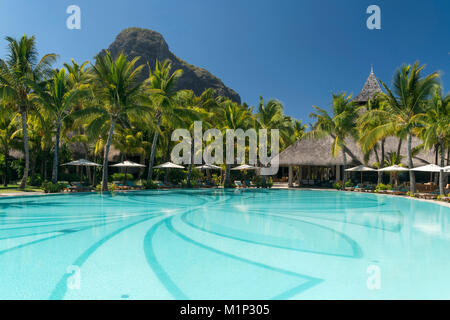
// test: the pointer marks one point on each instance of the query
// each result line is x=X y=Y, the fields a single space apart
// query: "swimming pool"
x=223 y=244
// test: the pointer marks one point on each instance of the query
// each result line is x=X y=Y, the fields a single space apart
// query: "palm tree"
x=271 y=116
x=404 y=103
x=366 y=124
x=16 y=73
x=116 y=87
x=298 y=130
x=193 y=109
x=436 y=127
x=162 y=87
x=339 y=125
x=9 y=131
x=233 y=116
x=57 y=98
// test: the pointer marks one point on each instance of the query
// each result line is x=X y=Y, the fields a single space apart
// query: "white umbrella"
x=167 y=166
x=429 y=168
x=245 y=167
x=208 y=166
x=82 y=162
x=127 y=164
x=394 y=168
x=447 y=168
x=361 y=169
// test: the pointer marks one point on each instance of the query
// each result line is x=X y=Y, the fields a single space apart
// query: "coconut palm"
x=233 y=116
x=435 y=130
x=57 y=97
x=162 y=87
x=366 y=124
x=9 y=133
x=116 y=86
x=21 y=68
x=404 y=102
x=339 y=125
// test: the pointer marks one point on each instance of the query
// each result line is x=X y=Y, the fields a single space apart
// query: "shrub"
x=149 y=184
x=215 y=178
x=121 y=176
x=50 y=187
x=383 y=186
x=337 y=185
x=270 y=182
x=349 y=184
x=257 y=180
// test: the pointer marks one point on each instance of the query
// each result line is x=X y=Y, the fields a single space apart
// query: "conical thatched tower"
x=371 y=87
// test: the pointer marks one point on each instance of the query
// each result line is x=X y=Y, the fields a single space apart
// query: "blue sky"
x=296 y=51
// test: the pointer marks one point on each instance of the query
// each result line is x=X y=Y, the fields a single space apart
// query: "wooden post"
x=338 y=172
x=291 y=177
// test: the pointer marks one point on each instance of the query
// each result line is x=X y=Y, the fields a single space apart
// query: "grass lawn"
x=14 y=188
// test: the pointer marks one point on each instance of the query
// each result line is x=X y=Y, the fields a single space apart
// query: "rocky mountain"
x=150 y=45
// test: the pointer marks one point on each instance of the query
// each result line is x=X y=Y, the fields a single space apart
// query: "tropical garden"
x=50 y=116
x=414 y=105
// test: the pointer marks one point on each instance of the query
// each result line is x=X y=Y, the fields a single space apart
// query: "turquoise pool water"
x=223 y=244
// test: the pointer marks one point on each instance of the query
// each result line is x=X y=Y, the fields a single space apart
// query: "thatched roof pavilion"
x=317 y=152
x=371 y=87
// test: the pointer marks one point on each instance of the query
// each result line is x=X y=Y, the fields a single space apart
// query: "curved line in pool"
x=60 y=289
x=312 y=281
x=357 y=251
x=177 y=293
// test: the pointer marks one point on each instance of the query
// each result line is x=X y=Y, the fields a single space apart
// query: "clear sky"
x=298 y=51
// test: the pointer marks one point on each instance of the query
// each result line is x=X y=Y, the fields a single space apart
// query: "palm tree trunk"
x=399 y=146
x=26 y=148
x=188 y=183
x=441 y=173
x=152 y=154
x=105 y=156
x=6 y=168
x=412 y=177
x=227 y=175
x=344 y=156
x=55 y=156
x=380 y=174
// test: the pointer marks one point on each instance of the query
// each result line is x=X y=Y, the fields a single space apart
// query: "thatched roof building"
x=371 y=87
x=317 y=152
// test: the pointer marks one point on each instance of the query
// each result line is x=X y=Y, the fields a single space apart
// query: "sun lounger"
x=238 y=184
x=425 y=195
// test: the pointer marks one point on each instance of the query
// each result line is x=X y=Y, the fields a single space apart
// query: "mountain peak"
x=151 y=45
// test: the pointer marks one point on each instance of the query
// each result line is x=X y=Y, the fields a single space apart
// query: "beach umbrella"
x=245 y=167
x=429 y=168
x=395 y=168
x=82 y=163
x=167 y=166
x=127 y=164
x=361 y=169
x=447 y=169
x=208 y=166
